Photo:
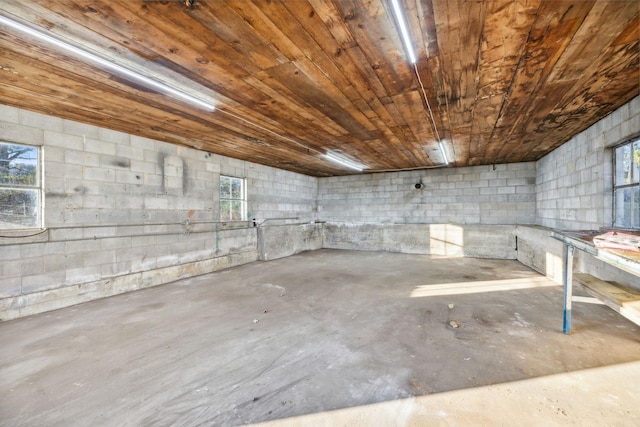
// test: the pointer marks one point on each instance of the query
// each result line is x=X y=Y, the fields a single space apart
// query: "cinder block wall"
x=574 y=182
x=457 y=212
x=574 y=192
x=124 y=212
x=500 y=194
x=451 y=240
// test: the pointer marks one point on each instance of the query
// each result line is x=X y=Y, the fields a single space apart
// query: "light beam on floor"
x=480 y=286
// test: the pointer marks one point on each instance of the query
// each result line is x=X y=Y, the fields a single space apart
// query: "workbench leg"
x=567 y=280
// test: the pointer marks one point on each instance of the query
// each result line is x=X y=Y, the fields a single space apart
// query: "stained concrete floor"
x=326 y=338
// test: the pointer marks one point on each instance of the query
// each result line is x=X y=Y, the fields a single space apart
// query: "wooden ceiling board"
x=328 y=61
x=565 y=98
x=141 y=119
x=298 y=115
x=499 y=59
x=377 y=37
x=460 y=32
x=630 y=34
x=421 y=130
x=549 y=36
x=578 y=103
x=506 y=81
x=592 y=39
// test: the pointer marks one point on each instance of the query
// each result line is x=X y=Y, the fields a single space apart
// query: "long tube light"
x=444 y=154
x=147 y=81
x=404 y=31
x=408 y=45
x=341 y=160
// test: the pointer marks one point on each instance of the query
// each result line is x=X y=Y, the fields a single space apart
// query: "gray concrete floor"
x=327 y=338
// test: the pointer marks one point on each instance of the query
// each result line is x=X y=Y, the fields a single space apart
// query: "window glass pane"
x=225 y=187
x=232 y=199
x=618 y=196
x=232 y=210
x=236 y=210
x=635 y=208
x=623 y=162
x=18 y=165
x=628 y=207
x=19 y=209
x=635 y=161
x=225 y=210
x=236 y=188
x=627 y=173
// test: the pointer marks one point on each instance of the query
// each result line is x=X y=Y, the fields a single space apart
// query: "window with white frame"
x=233 y=199
x=626 y=185
x=20 y=186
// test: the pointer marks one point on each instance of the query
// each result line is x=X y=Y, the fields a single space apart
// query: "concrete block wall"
x=281 y=241
x=451 y=240
x=124 y=212
x=574 y=182
x=574 y=188
x=501 y=194
x=457 y=212
x=280 y=197
x=539 y=251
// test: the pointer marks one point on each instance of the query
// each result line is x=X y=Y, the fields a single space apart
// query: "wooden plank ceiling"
x=506 y=80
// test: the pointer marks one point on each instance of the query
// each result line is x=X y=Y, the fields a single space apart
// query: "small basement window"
x=20 y=186
x=626 y=186
x=233 y=199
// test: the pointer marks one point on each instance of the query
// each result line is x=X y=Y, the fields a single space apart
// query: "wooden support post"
x=568 y=284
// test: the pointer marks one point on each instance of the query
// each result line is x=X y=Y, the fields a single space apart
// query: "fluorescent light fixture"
x=444 y=154
x=342 y=160
x=146 y=81
x=404 y=30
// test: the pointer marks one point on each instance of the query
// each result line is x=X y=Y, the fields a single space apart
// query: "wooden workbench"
x=624 y=301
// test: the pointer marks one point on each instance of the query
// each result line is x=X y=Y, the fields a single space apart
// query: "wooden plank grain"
x=360 y=20
x=614 y=296
x=372 y=25
x=257 y=105
x=143 y=119
x=354 y=61
x=585 y=107
x=320 y=89
x=419 y=125
x=307 y=92
x=86 y=36
x=173 y=38
x=169 y=35
x=459 y=41
x=326 y=51
x=329 y=61
x=550 y=35
x=297 y=115
x=506 y=80
x=96 y=17
x=507 y=27
x=268 y=30
x=239 y=32
x=429 y=69
x=603 y=80
x=592 y=38
x=339 y=111
x=379 y=106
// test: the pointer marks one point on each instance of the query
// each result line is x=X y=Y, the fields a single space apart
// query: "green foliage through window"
x=20 y=193
x=233 y=201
